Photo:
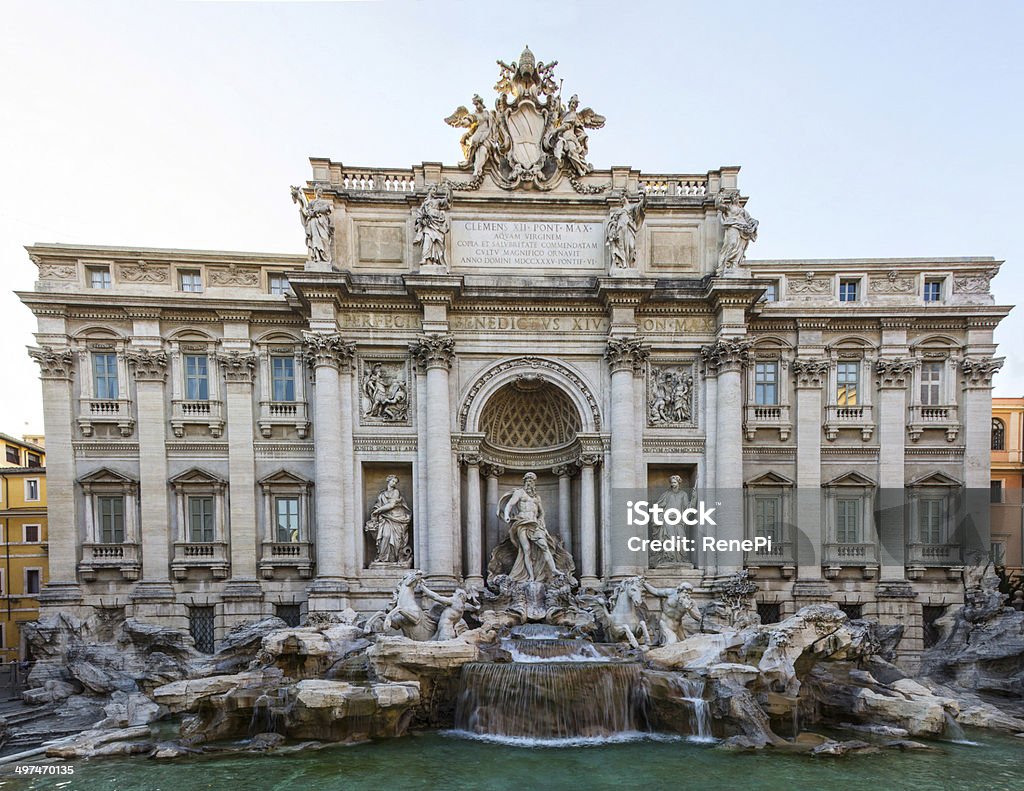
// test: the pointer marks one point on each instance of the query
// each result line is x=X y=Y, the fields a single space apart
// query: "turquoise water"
x=440 y=762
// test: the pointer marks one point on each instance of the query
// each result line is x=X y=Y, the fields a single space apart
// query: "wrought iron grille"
x=769 y=611
x=200 y=626
x=289 y=613
x=853 y=611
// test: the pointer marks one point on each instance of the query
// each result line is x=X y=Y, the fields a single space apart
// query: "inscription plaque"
x=537 y=244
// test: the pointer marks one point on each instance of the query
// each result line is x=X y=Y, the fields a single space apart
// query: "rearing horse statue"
x=404 y=612
x=624 y=622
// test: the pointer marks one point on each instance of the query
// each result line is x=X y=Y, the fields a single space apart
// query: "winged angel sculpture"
x=530 y=137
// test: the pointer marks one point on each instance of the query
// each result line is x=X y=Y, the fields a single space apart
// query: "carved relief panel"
x=384 y=392
x=670 y=394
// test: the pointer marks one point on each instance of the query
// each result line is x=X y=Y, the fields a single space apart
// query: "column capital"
x=148 y=366
x=237 y=366
x=435 y=350
x=893 y=373
x=725 y=354
x=470 y=459
x=978 y=371
x=589 y=459
x=627 y=354
x=565 y=470
x=809 y=373
x=53 y=363
x=328 y=349
x=492 y=470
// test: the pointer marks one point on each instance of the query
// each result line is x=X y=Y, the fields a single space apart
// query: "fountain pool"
x=448 y=762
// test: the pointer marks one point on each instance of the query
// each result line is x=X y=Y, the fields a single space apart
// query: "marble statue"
x=622 y=229
x=677 y=498
x=316 y=219
x=625 y=621
x=671 y=395
x=568 y=137
x=740 y=229
x=385 y=394
x=390 y=523
x=478 y=141
x=678 y=605
x=432 y=226
x=529 y=553
x=404 y=612
x=450 y=623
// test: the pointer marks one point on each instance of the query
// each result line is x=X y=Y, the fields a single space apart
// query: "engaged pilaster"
x=809 y=375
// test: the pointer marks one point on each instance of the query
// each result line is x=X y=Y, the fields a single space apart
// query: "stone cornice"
x=434 y=350
x=148 y=366
x=328 y=349
x=53 y=363
x=627 y=354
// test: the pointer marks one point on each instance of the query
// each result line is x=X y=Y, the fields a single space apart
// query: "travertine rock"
x=185 y=695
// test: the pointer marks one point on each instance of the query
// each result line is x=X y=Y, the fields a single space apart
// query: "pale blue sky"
x=864 y=129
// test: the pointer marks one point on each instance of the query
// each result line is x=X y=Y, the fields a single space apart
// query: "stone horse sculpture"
x=404 y=612
x=625 y=621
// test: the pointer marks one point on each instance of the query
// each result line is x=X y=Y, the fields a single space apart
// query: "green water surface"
x=440 y=762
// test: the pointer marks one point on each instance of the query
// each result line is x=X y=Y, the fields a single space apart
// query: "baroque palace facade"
x=239 y=434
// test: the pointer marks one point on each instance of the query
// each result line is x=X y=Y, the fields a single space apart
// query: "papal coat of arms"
x=531 y=137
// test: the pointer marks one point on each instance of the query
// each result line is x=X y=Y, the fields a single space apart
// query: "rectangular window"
x=291 y=614
x=287 y=509
x=278 y=284
x=104 y=376
x=35 y=460
x=30 y=534
x=771 y=292
x=996 y=491
x=766 y=384
x=99 y=277
x=998 y=549
x=932 y=521
x=847 y=521
x=111 y=519
x=931 y=384
x=848 y=290
x=282 y=377
x=933 y=291
x=197 y=377
x=200 y=626
x=847 y=383
x=766 y=517
x=190 y=280
x=32 y=489
x=13 y=455
x=32 y=581
x=852 y=610
x=200 y=520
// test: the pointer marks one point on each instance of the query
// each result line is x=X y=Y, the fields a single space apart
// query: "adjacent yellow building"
x=24 y=559
x=1008 y=482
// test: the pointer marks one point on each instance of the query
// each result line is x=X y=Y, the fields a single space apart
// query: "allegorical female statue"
x=432 y=226
x=739 y=230
x=529 y=553
x=390 y=521
x=316 y=219
x=623 y=226
x=675 y=497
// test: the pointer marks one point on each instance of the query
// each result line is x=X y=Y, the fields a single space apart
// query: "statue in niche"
x=677 y=607
x=390 y=522
x=671 y=397
x=432 y=226
x=316 y=219
x=478 y=141
x=622 y=229
x=529 y=552
x=385 y=397
x=450 y=623
x=740 y=229
x=676 y=498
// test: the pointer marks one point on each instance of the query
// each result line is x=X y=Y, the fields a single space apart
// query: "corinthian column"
x=330 y=358
x=434 y=352
x=56 y=368
x=150 y=369
x=726 y=357
x=474 y=522
x=626 y=357
x=588 y=520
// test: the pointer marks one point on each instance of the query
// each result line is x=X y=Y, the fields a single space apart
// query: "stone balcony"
x=123 y=558
x=104 y=410
x=863 y=555
x=924 y=556
x=779 y=556
x=211 y=555
x=767 y=416
x=197 y=413
x=859 y=418
x=283 y=413
x=296 y=555
x=943 y=418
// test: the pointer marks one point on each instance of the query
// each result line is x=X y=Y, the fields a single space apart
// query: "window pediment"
x=935 y=479
x=197 y=477
x=770 y=479
x=852 y=478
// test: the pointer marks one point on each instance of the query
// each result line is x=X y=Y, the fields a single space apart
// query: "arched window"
x=998 y=434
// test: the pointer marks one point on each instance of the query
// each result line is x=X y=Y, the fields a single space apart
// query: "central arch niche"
x=529 y=417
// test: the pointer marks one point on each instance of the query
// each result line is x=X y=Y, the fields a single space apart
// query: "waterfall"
x=691 y=690
x=953 y=732
x=536 y=649
x=269 y=711
x=551 y=700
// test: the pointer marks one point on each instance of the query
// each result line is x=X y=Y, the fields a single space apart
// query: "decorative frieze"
x=148 y=366
x=143 y=272
x=670 y=395
x=809 y=285
x=328 y=349
x=57 y=271
x=436 y=350
x=892 y=284
x=234 y=275
x=53 y=363
x=977 y=283
x=627 y=354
